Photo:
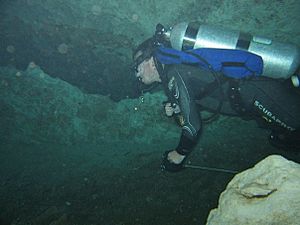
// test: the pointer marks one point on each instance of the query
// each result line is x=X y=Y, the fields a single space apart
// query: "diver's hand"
x=171 y=109
x=175 y=157
x=172 y=161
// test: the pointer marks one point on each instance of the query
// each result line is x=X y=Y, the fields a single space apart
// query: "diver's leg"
x=279 y=105
x=286 y=140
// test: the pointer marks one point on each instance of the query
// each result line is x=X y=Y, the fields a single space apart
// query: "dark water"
x=68 y=158
x=120 y=183
x=74 y=186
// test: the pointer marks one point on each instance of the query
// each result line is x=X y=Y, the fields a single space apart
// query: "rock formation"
x=268 y=193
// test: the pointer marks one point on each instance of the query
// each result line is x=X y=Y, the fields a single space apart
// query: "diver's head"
x=145 y=50
x=145 y=65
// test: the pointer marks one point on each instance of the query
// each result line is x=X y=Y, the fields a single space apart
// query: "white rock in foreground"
x=268 y=194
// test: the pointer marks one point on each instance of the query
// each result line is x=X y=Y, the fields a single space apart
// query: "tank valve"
x=295 y=80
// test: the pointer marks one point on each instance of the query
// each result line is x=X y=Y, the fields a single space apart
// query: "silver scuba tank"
x=281 y=60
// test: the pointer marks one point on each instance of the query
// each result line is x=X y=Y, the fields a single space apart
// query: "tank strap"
x=190 y=37
x=243 y=42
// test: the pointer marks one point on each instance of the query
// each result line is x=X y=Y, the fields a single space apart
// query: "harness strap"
x=235 y=98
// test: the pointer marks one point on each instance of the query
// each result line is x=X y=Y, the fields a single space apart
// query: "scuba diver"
x=224 y=72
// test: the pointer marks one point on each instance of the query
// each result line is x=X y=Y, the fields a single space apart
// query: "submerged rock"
x=268 y=193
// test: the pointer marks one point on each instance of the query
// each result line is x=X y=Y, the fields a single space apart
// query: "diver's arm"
x=192 y=119
x=173 y=160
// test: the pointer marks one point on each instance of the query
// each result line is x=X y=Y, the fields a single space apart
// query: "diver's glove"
x=171 y=166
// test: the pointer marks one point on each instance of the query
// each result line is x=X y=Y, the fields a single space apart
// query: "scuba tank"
x=281 y=60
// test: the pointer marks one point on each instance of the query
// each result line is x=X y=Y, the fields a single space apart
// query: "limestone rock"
x=268 y=193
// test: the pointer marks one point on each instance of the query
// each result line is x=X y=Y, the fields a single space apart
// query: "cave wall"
x=89 y=43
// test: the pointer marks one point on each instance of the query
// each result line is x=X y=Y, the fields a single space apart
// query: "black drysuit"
x=266 y=100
